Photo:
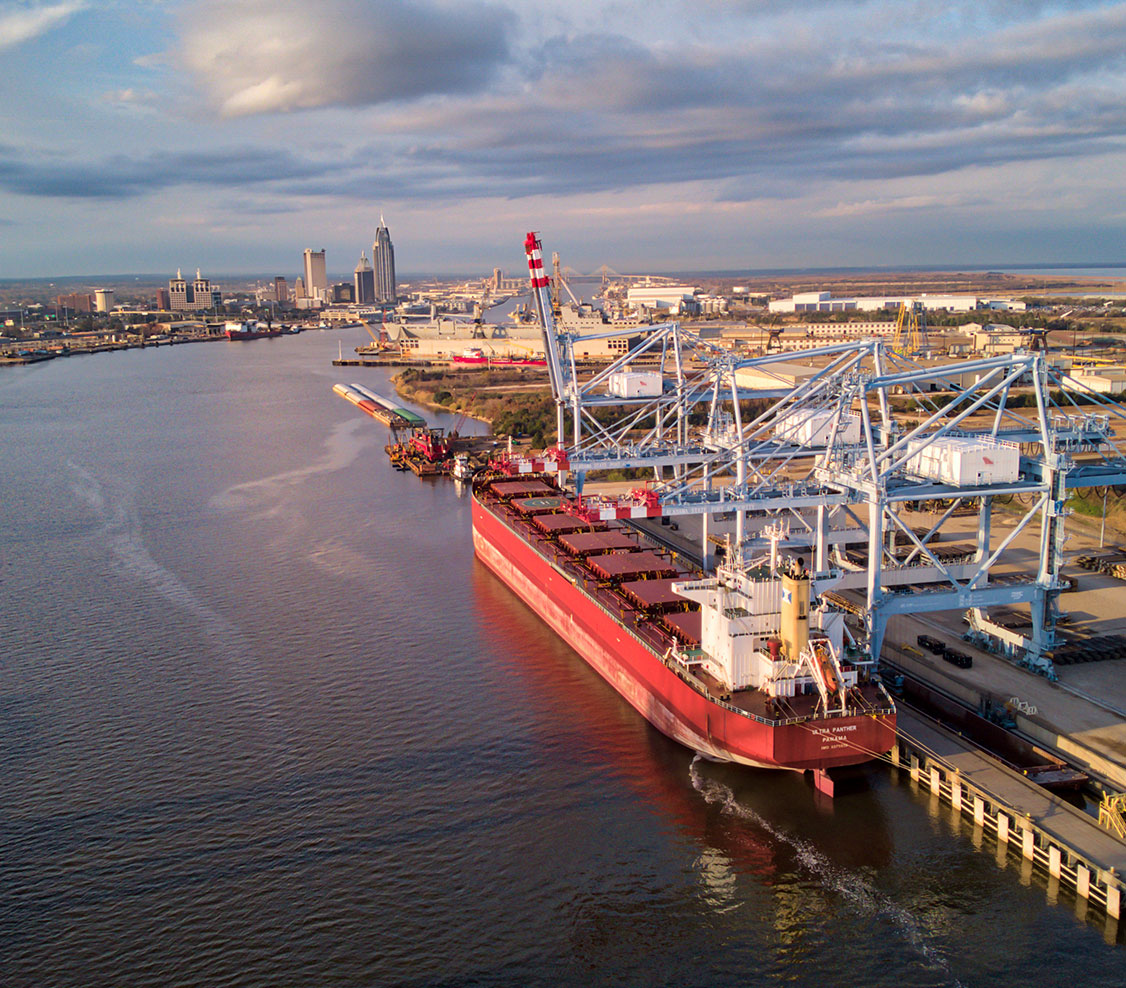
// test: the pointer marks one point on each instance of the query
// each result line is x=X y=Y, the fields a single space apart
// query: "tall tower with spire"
x=383 y=260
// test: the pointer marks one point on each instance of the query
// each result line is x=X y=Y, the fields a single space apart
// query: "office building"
x=193 y=296
x=281 y=290
x=316 y=279
x=383 y=260
x=162 y=300
x=364 y=280
x=77 y=302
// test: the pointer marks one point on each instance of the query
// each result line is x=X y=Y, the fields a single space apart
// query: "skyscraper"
x=281 y=290
x=365 y=281
x=383 y=258
x=316 y=280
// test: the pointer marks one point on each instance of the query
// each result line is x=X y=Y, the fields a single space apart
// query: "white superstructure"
x=758 y=630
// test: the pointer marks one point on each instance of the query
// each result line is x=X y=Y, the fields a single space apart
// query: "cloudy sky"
x=145 y=135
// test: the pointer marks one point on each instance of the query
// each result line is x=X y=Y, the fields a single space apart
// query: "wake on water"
x=852 y=886
x=343 y=447
x=122 y=532
x=269 y=497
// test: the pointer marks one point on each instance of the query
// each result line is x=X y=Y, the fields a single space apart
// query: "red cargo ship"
x=250 y=331
x=727 y=665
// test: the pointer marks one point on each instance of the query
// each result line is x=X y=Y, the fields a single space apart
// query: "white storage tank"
x=965 y=461
x=815 y=427
x=635 y=384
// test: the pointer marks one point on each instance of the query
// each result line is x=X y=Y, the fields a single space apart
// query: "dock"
x=385 y=362
x=1085 y=730
x=1027 y=822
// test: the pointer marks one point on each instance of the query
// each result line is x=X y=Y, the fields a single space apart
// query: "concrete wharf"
x=1084 y=729
x=1025 y=820
x=385 y=362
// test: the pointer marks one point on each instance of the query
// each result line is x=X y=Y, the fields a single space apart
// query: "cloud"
x=130 y=100
x=466 y=100
x=22 y=22
x=264 y=56
x=919 y=203
x=123 y=177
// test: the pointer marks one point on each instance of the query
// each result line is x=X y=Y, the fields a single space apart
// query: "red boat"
x=250 y=331
x=727 y=665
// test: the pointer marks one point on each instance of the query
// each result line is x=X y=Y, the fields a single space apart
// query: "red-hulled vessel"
x=250 y=331
x=729 y=665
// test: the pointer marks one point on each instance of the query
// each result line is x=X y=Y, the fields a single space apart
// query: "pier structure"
x=1026 y=822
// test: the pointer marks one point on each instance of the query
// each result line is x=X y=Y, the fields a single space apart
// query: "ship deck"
x=637 y=595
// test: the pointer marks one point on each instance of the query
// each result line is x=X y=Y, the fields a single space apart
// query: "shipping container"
x=815 y=427
x=635 y=384
x=964 y=461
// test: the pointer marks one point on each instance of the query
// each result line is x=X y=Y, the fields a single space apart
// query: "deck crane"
x=381 y=339
x=559 y=285
x=455 y=432
x=826 y=453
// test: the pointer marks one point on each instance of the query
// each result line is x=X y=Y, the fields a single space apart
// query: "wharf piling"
x=1025 y=820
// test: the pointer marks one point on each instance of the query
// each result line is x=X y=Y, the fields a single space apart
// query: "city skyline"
x=704 y=136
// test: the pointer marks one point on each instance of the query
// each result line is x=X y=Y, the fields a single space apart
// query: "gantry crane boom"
x=826 y=452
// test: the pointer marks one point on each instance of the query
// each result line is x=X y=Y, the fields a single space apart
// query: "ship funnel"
x=794 y=630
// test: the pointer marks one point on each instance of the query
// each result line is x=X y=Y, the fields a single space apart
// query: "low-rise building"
x=774 y=377
x=673 y=299
x=824 y=302
x=995 y=338
x=1103 y=380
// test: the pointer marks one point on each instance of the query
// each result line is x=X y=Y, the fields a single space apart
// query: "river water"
x=264 y=720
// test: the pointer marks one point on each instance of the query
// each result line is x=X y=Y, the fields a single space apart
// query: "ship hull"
x=254 y=334
x=677 y=709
